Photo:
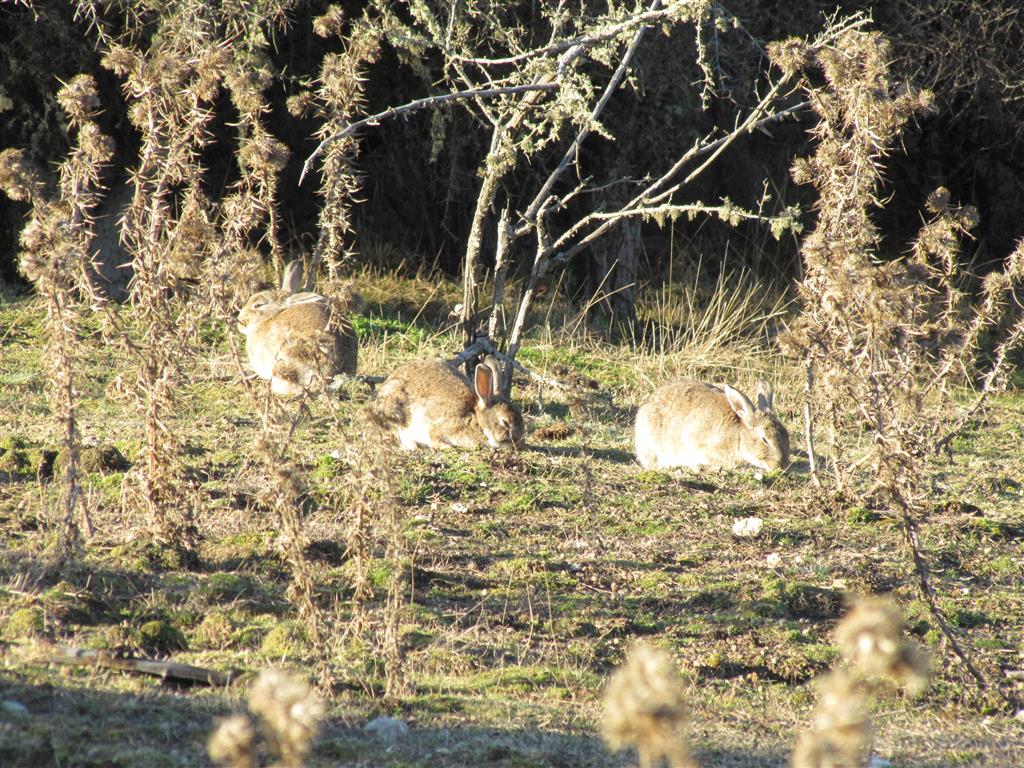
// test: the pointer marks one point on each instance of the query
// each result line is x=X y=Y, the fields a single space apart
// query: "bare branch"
x=581 y=42
x=570 y=153
x=541 y=263
x=724 y=211
x=500 y=272
x=412 y=106
x=654 y=192
x=484 y=346
x=812 y=459
x=492 y=174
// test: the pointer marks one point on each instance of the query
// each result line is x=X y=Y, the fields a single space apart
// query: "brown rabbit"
x=427 y=403
x=692 y=424
x=294 y=338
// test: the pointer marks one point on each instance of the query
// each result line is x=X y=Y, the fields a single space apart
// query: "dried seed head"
x=19 y=176
x=938 y=201
x=644 y=708
x=871 y=638
x=241 y=212
x=871 y=634
x=210 y=70
x=247 y=87
x=233 y=744
x=330 y=23
x=792 y=56
x=264 y=154
x=840 y=734
x=121 y=60
x=300 y=104
x=138 y=115
x=290 y=713
x=96 y=145
x=78 y=98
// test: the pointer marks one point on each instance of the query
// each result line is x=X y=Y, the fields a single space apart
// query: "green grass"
x=527 y=576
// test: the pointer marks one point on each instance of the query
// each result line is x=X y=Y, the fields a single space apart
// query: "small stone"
x=13 y=708
x=748 y=527
x=773 y=560
x=387 y=729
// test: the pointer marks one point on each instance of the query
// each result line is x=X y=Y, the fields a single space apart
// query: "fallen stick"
x=167 y=670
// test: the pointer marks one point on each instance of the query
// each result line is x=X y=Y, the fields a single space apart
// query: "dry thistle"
x=330 y=22
x=20 y=178
x=840 y=734
x=644 y=708
x=79 y=99
x=233 y=744
x=300 y=104
x=247 y=87
x=871 y=637
x=290 y=713
x=792 y=56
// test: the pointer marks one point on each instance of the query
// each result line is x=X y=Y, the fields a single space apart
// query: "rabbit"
x=428 y=403
x=692 y=424
x=293 y=338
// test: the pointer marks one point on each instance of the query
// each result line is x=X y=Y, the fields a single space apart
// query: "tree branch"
x=613 y=84
x=654 y=192
x=583 y=41
x=412 y=106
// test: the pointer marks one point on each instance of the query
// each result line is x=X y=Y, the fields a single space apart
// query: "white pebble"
x=748 y=527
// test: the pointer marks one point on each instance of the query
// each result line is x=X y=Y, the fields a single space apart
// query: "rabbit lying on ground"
x=292 y=339
x=427 y=403
x=692 y=424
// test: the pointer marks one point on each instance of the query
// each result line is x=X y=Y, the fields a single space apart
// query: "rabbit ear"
x=740 y=405
x=765 y=396
x=292 y=279
x=497 y=382
x=484 y=383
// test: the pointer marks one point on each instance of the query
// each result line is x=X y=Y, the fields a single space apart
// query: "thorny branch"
x=648 y=17
x=612 y=86
x=412 y=106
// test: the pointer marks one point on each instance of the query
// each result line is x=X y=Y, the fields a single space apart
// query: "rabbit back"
x=694 y=424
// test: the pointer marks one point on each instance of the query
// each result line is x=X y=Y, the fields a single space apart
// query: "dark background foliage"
x=418 y=206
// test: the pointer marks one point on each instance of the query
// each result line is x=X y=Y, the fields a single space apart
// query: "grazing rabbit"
x=427 y=403
x=294 y=338
x=692 y=424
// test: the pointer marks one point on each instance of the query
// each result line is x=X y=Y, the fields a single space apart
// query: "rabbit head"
x=499 y=419
x=264 y=304
x=763 y=442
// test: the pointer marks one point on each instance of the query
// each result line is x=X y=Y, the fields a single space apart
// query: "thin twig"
x=620 y=72
x=812 y=460
x=928 y=592
x=500 y=273
x=583 y=41
x=412 y=106
x=654 y=192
